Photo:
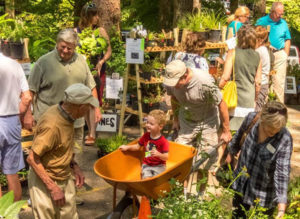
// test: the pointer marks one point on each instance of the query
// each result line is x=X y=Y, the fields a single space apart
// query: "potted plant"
x=16 y=40
x=91 y=44
x=161 y=39
x=147 y=71
x=150 y=40
x=214 y=22
x=108 y=145
x=194 y=23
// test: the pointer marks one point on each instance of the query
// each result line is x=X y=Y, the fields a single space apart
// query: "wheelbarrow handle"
x=197 y=163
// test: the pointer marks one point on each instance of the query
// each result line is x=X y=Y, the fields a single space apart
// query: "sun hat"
x=174 y=70
x=80 y=94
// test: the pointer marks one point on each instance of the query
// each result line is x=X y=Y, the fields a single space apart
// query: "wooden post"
x=123 y=106
x=139 y=96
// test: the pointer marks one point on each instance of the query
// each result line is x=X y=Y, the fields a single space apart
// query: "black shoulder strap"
x=257 y=116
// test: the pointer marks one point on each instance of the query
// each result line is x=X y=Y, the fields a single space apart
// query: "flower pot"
x=214 y=36
x=16 y=50
x=170 y=42
x=101 y=153
x=213 y=70
x=153 y=106
x=161 y=43
x=146 y=75
x=5 y=47
x=203 y=34
x=151 y=43
x=145 y=107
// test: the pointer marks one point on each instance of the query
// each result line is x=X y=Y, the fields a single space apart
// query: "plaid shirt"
x=267 y=163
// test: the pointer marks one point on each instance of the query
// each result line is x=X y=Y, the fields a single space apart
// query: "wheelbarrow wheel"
x=124 y=209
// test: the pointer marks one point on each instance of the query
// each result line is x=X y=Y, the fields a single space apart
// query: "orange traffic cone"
x=145 y=209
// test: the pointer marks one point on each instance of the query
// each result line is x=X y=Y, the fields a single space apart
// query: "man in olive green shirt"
x=54 y=72
x=51 y=185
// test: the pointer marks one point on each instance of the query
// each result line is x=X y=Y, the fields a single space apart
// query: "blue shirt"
x=279 y=31
x=234 y=27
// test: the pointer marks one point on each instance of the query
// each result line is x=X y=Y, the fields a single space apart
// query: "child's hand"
x=154 y=153
x=123 y=147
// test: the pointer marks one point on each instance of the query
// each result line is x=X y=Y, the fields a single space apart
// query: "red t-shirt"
x=161 y=144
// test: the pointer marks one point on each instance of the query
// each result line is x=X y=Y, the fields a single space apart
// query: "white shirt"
x=265 y=62
x=12 y=83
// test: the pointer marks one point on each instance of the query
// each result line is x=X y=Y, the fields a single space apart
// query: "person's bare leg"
x=14 y=185
x=87 y=120
x=92 y=127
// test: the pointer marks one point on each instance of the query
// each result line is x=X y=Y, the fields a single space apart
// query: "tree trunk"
x=180 y=8
x=166 y=14
x=233 y=5
x=259 y=9
x=110 y=13
x=9 y=8
x=196 y=6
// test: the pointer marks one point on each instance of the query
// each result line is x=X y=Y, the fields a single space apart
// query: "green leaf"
x=13 y=210
x=5 y=201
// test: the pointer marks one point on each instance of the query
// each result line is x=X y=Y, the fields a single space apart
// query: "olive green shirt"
x=51 y=76
x=53 y=142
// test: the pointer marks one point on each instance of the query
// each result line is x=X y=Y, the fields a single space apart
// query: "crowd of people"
x=62 y=91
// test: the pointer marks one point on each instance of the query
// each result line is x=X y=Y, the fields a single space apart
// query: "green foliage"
x=8 y=208
x=128 y=18
x=22 y=175
x=294 y=70
x=147 y=12
x=91 y=44
x=117 y=62
x=111 y=144
x=293 y=209
x=207 y=19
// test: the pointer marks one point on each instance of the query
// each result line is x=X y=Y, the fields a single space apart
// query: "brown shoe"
x=90 y=141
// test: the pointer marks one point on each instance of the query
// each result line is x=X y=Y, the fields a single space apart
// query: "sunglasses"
x=280 y=111
x=90 y=6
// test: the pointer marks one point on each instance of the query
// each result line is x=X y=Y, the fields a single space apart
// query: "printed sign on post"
x=113 y=87
x=134 y=51
x=290 y=85
x=108 y=123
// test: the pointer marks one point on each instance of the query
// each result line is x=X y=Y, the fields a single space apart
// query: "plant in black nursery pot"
x=108 y=145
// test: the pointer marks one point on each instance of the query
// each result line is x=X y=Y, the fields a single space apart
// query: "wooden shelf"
x=25 y=133
x=157 y=81
x=130 y=110
x=209 y=45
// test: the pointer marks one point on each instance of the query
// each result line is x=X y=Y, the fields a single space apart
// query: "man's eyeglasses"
x=282 y=111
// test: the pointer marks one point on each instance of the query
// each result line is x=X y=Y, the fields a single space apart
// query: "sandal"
x=90 y=141
x=86 y=137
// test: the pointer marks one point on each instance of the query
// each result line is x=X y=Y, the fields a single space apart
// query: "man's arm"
x=28 y=120
x=98 y=115
x=224 y=116
x=56 y=192
x=25 y=101
x=175 y=108
x=287 y=46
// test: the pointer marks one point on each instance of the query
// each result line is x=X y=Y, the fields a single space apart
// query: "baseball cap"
x=174 y=70
x=80 y=94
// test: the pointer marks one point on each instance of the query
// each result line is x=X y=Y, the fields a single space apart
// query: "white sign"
x=26 y=68
x=134 y=51
x=113 y=87
x=290 y=85
x=108 y=123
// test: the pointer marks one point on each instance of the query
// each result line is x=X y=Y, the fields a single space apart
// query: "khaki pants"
x=280 y=65
x=42 y=204
x=78 y=140
x=209 y=139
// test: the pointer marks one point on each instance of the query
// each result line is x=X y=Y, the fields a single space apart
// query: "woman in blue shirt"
x=237 y=20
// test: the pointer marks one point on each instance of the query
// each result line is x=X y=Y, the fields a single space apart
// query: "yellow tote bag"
x=229 y=91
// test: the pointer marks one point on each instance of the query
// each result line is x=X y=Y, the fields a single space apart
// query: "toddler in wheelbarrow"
x=155 y=145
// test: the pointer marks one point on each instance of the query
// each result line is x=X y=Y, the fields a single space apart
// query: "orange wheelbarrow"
x=123 y=171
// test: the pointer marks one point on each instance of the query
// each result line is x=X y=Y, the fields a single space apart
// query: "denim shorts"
x=11 y=154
